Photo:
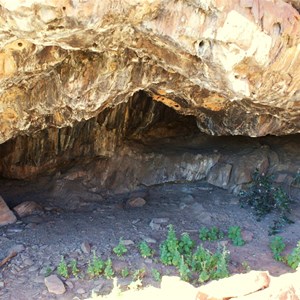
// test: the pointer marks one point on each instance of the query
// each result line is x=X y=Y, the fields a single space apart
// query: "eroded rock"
x=6 y=215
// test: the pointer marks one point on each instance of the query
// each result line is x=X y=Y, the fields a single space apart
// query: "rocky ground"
x=93 y=222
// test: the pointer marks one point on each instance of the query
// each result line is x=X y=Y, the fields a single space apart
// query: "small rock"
x=86 y=247
x=127 y=242
x=247 y=235
x=154 y=226
x=148 y=261
x=6 y=215
x=150 y=240
x=54 y=285
x=136 y=202
x=33 y=269
x=219 y=175
x=80 y=291
x=160 y=220
x=28 y=208
x=14 y=229
x=1 y=285
x=136 y=221
x=70 y=284
x=28 y=262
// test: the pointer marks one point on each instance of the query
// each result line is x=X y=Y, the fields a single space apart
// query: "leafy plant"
x=185 y=244
x=139 y=274
x=62 y=268
x=277 y=246
x=169 y=254
x=96 y=266
x=120 y=249
x=212 y=234
x=74 y=269
x=246 y=266
x=293 y=259
x=124 y=272
x=156 y=275
x=145 y=250
x=184 y=270
x=210 y=265
x=264 y=197
x=235 y=235
x=108 y=271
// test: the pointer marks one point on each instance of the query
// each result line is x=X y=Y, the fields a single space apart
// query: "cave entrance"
x=129 y=173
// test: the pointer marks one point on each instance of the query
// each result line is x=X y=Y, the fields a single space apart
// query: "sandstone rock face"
x=233 y=64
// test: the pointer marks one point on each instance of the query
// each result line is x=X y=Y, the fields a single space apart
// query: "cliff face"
x=232 y=64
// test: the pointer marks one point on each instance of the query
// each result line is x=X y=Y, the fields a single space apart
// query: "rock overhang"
x=231 y=64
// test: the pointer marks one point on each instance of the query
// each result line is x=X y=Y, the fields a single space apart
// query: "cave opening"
x=128 y=173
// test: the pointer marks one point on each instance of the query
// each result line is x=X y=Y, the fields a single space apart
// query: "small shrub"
x=138 y=274
x=124 y=272
x=120 y=249
x=145 y=250
x=264 y=197
x=293 y=259
x=96 y=266
x=184 y=271
x=235 y=235
x=185 y=244
x=62 y=268
x=277 y=246
x=156 y=275
x=74 y=268
x=212 y=234
x=108 y=271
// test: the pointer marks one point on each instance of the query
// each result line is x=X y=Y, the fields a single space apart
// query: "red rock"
x=6 y=215
x=27 y=208
x=234 y=286
x=136 y=202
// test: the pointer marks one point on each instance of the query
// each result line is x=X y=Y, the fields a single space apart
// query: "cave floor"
x=102 y=220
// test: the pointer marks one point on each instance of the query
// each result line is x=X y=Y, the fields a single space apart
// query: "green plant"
x=145 y=250
x=108 y=271
x=169 y=253
x=212 y=234
x=62 y=268
x=95 y=266
x=246 y=266
x=293 y=259
x=185 y=244
x=156 y=275
x=235 y=235
x=184 y=271
x=48 y=271
x=210 y=265
x=124 y=272
x=74 y=268
x=138 y=274
x=120 y=249
x=264 y=197
x=277 y=246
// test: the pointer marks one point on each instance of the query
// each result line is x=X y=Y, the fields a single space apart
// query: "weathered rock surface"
x=6 y=215
x=232 y=64
x=28 y=208
x=54 y=285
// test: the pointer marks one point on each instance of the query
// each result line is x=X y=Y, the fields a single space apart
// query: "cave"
x=137 y=164
x=149 y=143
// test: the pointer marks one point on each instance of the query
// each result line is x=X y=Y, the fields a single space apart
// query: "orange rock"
x=27 y=208
x=6 y=215
x=235 y=286
x=136 y=202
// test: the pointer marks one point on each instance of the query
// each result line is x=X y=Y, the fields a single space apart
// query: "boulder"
x=6 y=215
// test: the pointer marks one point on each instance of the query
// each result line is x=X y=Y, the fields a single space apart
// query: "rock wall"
x=233 y=64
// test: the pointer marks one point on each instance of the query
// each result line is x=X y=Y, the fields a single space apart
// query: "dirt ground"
x=101 y=220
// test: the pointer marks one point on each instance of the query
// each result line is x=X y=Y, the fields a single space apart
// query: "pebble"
x=136 y=202
x=70 y=284
x=54 y=285
x=28 y=262
x=150 y=240
x=127 y=242
x=1 y=285
x=80 y=291
x=33 y=269
x=85 y=247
